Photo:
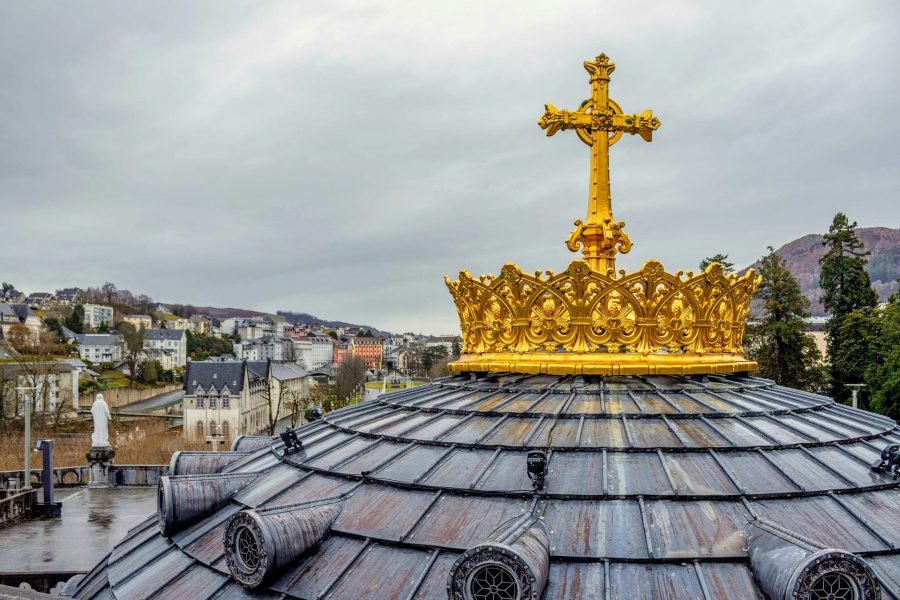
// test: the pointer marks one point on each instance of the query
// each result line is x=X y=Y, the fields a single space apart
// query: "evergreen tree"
x=846 y=288
x=786 y=353
x=75 y=321
x=722 y=259
x=871 y=351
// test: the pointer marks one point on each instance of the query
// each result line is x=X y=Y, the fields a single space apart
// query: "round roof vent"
x=512 y=564
x=835 y=575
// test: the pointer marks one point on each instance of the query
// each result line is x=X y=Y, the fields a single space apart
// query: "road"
x=155 y=403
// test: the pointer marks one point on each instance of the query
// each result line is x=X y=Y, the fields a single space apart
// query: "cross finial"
x=599 y=122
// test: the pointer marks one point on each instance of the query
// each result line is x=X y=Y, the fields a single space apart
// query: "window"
x=226 y=429
x=212 y=401
x=199 y=401
x=199 y=430
x=212 y=428
x=226 y=401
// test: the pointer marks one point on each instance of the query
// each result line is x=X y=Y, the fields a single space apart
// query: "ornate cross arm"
x=554 y=120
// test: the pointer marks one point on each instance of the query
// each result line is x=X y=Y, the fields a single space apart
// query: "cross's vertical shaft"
x=599 y=123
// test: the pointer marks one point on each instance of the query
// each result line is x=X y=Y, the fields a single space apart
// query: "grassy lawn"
x=114 y=379
x=376 y=385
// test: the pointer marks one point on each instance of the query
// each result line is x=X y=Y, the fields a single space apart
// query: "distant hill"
x=308 y=319
x=220 y=313
x=803 y=254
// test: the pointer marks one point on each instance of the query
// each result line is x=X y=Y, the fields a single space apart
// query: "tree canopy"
x=720 y=258
x=786 y=353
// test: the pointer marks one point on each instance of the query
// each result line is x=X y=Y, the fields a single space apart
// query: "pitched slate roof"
x=282 y=371
x=205 y=374
x=98 y=339
x=652 y=486
x=163 y=334
x=18 y=311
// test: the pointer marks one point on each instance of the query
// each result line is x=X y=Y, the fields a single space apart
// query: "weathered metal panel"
x=654 y=403
x=809 y=427
x=413 y=464
x=564 y=433
x=806 y=471
x=149 y=577
x=358 y=447
x=576 y=473
x=197 y=583
x=755 y=474
x=367 y=460
x=520 y=404
x=624 y=468
x=586 y=404
x=697 y=434
x=310 y=577
x=138 y=558
x=652 y=433
x=887 y=568
x=271 y=483
x=878 y=510
x=607 y=433
x=714 y=403
x=776 y=434
x=568 y=581
x=596 y=528
x=235 y=591
x=821 y=519
x=507 y=473
x=552 y=404
x=657 y=581
x=489 y=402
x=513 y=432
x=696 y=529
x=686 y=404
x=471 y=431
x=729 y=580
x=314 y=487
x=382 y=512
x=459 y=522
x=738 y=433
x=698 y=473
x=621 y=404
x=435 y=428
x=460 y=468
x=410 y=423
x=434 y=586
x=368 y=580
x=260 y=462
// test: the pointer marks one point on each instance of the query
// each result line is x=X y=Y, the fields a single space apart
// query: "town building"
x=368 y=349
x=67 y=296
x=342 y=351
x=200 y=324
x=268 y=347
x=39 y=300
x=138 y=321
x=447 y=342
x=168 y=339
x=226 y=398
x=12 y=296
x=97 y=315
x=98 y=348
x=19 y=314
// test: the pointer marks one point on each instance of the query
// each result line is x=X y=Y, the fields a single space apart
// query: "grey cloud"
x=341 y=158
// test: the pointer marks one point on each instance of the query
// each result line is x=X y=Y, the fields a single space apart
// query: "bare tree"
x=351 y=374
x=109 y=291
x=297 y=403
x=134 y=347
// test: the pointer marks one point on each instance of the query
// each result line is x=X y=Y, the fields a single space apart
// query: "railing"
x=119 y=475
x=16 y=504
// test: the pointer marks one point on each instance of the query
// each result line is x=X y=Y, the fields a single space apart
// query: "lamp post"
x=21 y=389
x=854 y=389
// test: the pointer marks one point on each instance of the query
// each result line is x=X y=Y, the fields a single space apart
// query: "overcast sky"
x=339 y=158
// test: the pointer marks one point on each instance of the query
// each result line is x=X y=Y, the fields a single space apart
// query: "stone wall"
x=117 y=397
x=119 y=475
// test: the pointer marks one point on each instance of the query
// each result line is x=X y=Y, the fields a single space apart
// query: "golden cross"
x=599 y=123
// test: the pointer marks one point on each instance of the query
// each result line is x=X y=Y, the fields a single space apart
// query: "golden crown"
x=590 y=319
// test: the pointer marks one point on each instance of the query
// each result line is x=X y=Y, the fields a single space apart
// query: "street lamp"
x=21 y=389
x=854 y=389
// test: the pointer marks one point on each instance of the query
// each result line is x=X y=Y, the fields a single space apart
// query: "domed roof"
x=655 y=487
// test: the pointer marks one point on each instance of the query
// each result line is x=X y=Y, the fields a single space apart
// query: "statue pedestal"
x=100 y=459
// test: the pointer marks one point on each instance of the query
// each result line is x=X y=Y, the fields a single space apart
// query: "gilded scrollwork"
x=581 y=310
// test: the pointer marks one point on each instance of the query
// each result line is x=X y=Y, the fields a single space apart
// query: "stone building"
x=225 y=397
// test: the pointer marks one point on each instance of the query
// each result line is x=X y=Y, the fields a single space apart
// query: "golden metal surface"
x=581 y=310
x=599 y=123
x=590 y=319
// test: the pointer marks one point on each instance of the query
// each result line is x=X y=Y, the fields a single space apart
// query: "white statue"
x=100 y=412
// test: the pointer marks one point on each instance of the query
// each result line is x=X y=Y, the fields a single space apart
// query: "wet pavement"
x=93 y=521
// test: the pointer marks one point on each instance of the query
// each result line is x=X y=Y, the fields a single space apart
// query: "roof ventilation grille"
x=512 y=564
x=185 y=499
x=259 y=542
x=788 y=566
